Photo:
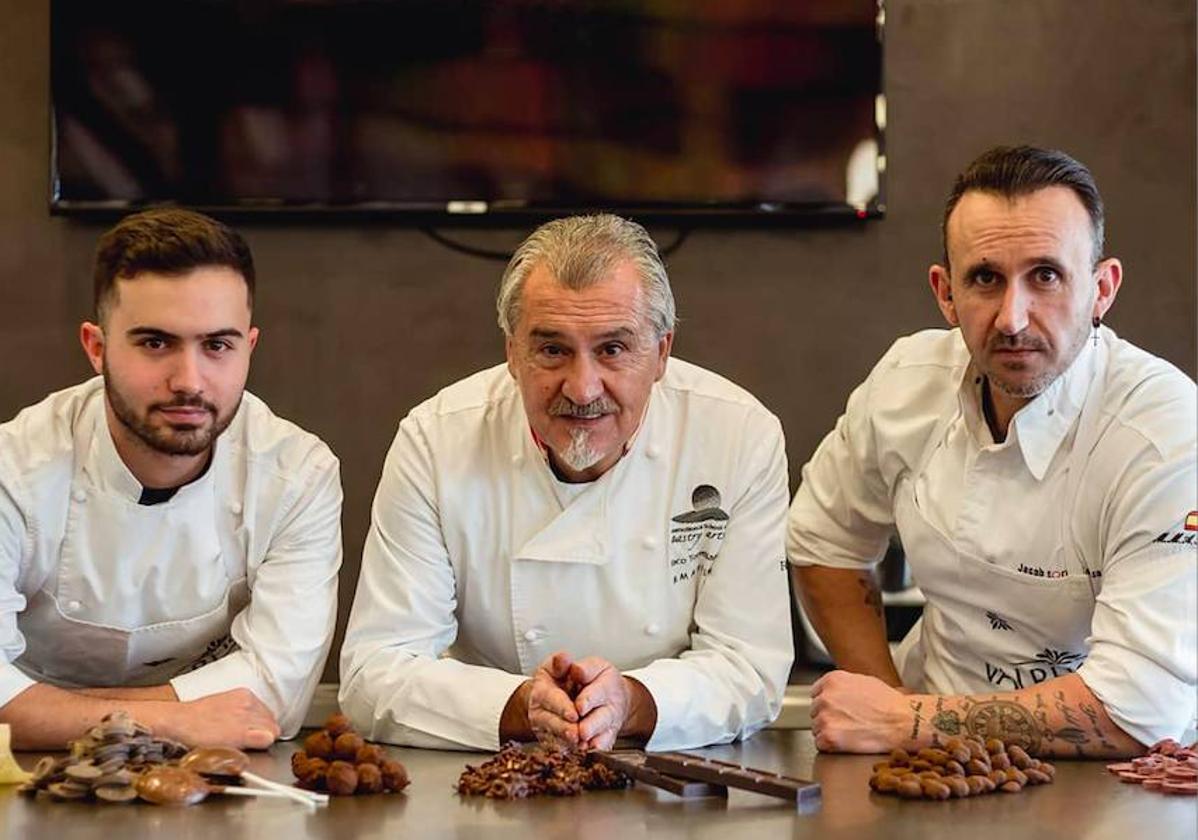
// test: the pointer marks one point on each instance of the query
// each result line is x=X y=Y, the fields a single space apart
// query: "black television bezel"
x=507 y=213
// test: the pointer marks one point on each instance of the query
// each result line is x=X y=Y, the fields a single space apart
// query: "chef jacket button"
x=74 y=606
x=649 y=541
x=653 y=450
x=653 y=628
x=530 y=635
x=235 y=508
x=79 y=496
x=516 y=459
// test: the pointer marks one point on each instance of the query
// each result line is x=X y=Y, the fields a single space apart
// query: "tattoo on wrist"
x=916 y=707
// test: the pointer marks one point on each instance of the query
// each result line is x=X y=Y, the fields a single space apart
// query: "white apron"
x=987 y=627
x=141 y=593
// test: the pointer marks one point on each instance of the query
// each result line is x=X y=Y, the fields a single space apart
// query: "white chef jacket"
x=1068 y=547
x=671 y=566
x=230 y=583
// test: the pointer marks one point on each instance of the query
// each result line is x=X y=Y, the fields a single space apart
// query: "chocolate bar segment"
x=805 y=794
x=632 y=763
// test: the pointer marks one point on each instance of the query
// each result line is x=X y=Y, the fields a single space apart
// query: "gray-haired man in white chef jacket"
x=168 y=546
x=583 y=544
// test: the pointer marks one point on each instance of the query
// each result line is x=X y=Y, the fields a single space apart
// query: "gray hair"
x=579 y=251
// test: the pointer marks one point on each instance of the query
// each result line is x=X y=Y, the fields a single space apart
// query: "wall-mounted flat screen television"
x=436 y=108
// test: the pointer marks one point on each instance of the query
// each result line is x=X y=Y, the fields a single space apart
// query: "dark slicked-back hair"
x=166 y=241
x=1015 y=171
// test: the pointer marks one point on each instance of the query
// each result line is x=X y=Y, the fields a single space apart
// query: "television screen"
x=443 y=107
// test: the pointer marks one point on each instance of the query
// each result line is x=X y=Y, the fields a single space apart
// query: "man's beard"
x=580 y=455
x=1027 y=389
x=169 y=440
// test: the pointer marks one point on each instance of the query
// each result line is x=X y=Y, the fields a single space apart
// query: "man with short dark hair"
x=583 y=544
x=1040 y=473
x=168 y=546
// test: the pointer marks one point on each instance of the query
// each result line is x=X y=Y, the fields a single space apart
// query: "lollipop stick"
x=272 y=794
x=295 y=793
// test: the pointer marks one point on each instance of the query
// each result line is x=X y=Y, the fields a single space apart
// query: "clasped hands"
x=585 y=703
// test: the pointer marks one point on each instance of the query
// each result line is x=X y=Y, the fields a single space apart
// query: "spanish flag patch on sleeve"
x=1184 y=533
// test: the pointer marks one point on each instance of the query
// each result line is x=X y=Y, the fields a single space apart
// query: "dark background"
x=360 y=322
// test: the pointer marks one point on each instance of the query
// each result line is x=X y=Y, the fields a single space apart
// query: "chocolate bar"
x=632 y=763
x=805 y=794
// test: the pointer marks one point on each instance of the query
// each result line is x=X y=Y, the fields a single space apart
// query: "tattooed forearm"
x=873 y=595
x=1059 y=718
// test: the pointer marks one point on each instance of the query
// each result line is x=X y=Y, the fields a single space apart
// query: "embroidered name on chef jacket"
x=697 y=535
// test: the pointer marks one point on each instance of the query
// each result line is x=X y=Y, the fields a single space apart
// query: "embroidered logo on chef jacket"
x=1184 y=532
x=697 y=535
x=216 y=649
x=1045 y=665
x=997 y=622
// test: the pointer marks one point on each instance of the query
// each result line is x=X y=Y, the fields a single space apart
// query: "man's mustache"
x=186 y=401
x=1019 y=341
x=565 y=407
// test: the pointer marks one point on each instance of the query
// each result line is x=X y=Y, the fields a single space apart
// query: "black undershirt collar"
x=158 y=495
x=988 y=412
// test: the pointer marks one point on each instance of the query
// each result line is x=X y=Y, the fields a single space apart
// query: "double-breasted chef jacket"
x=232 y=582
x=1069 y=547
x=479 y=563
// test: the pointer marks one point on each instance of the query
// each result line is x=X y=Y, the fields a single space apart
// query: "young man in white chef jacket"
x=583 y=544
x=168 y=546
x=1040 y=472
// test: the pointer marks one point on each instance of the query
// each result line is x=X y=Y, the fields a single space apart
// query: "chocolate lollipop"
x=177 y=786
x=172 y=786
x=217 y=764
x=225 y=766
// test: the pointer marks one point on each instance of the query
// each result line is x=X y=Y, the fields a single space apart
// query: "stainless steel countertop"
x=1084 y=802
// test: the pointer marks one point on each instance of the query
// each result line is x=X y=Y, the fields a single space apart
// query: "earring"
x=1096 y=322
